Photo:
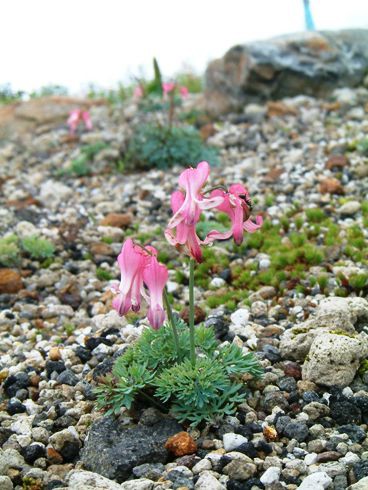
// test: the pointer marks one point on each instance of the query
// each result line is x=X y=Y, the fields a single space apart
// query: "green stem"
x=191 y=312
x=172 y=322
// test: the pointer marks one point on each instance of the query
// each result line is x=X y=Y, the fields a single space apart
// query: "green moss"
x=342 y=292
x=69 y=328
x=37 y=248
x=339 y=331
x=315 y=215
x=9 y=251
x=359 y=281
x=322 y=281
x=299 y=221
x=269 y=200
x=103 y=275
x=107 y=239
x=363 y=368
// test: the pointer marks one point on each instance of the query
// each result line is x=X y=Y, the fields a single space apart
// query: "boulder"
x=309 y=63
x=112 y=450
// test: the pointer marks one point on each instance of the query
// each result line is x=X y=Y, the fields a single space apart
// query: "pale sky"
x=75 y=42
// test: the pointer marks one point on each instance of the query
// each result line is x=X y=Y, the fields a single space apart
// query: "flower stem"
x=191 y=312
x=172 y=322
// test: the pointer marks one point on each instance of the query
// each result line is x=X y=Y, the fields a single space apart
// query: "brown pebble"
x=53 y=456
x=119 y=220
x=55 y=354
x=331 y=186
x=270 y=433
x=328 y=456
x=293 y=370
x=208 y=444
x=278 y=108
x=101 y=249
x=10 y=281
x=199 y=314
x=337 y=161
x=181 y=444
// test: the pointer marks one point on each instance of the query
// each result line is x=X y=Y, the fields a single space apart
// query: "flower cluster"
x=139 y=266
x=187 y=208
x=78 y=116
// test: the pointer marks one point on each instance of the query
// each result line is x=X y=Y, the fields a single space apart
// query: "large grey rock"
x=113 y=451
x=333 y=360
x=310 y=63
x=349 y=315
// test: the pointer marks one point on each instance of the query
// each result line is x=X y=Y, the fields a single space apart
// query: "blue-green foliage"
x=210 y=389
x=153 y=146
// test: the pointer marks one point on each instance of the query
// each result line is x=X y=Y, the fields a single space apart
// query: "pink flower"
x=192 y=181
x=140 y=267
x=168 y=87
x=236 y=204
x=78 y=116
x=138 y=92
x=186 y=235
x=155 y=276
x=184 y=92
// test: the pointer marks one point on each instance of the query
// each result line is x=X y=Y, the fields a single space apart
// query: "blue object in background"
x=308 y=16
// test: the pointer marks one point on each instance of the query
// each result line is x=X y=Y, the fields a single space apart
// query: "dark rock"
x=67 y=377
x=150 y=416
x=218 y=324
x=355 y=433
x=189 y=460
x=103 y=368
x=296 y=430
x=328 y=456
x=287 y=384
x=93 y=342
x=308 y=63
x=271 y=353
x=33 y=452
x=70 y=451
x=113 y=451
x=345 y=412
x=247 y=448
x=83 y=354
x=362 y=403
x=54 y=366
x=54 y=484
x=15 y=382
x=226 y=275
x=360 y=469
x=281 y=422
x=274 y=399
x=15 y=406
x=244 y=485
x=4 y=435
x=263 y=446
x=179 y=480
x=151 y=471
x=310 y=396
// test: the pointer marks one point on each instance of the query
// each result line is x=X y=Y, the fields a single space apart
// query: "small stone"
x=117 y=220
x=310 y=459
x=55 y=354
x=240 y=317
x=331 y=186
x=208 y=482
x=152 y=471
x=203 y=465
x=337 y=162
x=232 y=441
x=81 y=480
x=293 y=369
x=33 y=452
x=181 y=444
x=296 y=430
x=349 y=208
x=10 y=281
x=67 y=443
x=258 y=309
x=142 y=484
x=270 y=433
x=316 y=481
x=240 y=470
x=360 y=485
x=15 y=406
x=6 y=483
x=217 y=282
x=271 y=475
x=67 y=377
x=328 y=456
x=199 y=314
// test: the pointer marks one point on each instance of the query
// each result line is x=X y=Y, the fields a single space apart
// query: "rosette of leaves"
x=152 y=370
x=155 y=146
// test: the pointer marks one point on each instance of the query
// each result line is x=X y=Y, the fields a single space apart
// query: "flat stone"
x=113 y=451
x=86 y=480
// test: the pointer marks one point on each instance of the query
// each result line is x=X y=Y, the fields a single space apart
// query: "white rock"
x=232 y=441
x=141 y=484
x=349 y=208
x=240 y=317
x=271 y=475
x=264 y=264
x=217 y=282
x=25 y=228
x=6 y=483
x=311 y=458
x=208 y=482
x=54 y=193
x=86 y=480
x=360 y=485
x=203 y=465
x=316 y=481
x=350 y=458
x=22 y=426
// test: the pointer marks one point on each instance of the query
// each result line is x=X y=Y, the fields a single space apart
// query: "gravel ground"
x=304 y=424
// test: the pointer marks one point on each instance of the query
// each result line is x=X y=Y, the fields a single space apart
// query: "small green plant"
x=103 y=275
x=205 y=391
x=315 y=215
x=153 y=146
x=81 y=165
x=9 y=251
x=37 y=248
